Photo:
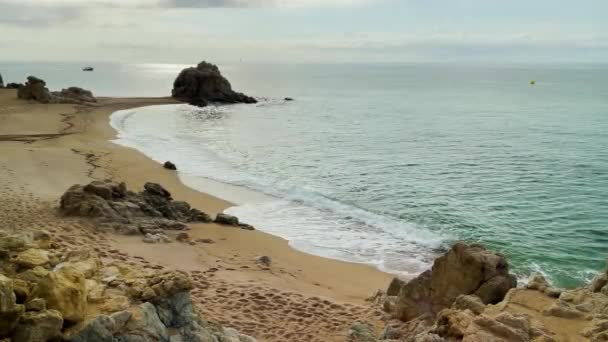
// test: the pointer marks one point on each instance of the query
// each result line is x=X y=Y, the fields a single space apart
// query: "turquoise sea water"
x=388 y=164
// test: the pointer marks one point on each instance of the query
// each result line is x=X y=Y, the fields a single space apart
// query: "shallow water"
x=387 y=164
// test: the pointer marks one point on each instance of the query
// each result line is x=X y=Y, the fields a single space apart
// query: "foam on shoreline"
x=310 y=221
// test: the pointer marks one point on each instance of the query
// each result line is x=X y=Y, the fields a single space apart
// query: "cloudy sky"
x=182 y=31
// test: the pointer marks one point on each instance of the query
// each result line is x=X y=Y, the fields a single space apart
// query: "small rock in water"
x=169 y=166
x=288 y=99
x=263 y=260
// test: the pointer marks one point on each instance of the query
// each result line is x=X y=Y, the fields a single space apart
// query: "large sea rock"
x=203 y=84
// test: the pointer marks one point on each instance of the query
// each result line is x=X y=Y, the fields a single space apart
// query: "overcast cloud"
x=183 y=31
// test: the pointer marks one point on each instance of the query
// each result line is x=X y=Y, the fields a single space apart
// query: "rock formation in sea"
x=150 y=212
x=203 y=84
x=49 y=293
x=35 y=89
x=1 y=82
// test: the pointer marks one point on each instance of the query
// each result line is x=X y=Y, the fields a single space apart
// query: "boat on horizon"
x=88 y=68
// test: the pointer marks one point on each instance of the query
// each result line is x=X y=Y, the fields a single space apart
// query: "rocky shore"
x=84 y=258
x=49 y=292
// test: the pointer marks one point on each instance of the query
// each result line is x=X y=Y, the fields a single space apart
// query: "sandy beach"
x=46 y=148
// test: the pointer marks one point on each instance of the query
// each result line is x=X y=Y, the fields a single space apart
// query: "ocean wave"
x=311 y=221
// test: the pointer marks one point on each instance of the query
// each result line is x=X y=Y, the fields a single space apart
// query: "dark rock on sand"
x=263 y=261
x=463 y=270
x=148 y=212
x=76 y=94
x=35 y=89
x=14 y=85
x=1 y=82
x=169 y=166
x=203 y=84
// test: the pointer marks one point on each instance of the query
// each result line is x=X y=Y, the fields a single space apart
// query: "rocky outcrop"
x=1 y=82
x=35 y=89
x=233 y=221
x=75 y=297
x=463 y=270
x=64 y=291
x=36 y=326
x=75 y=94
x=149 y=212
x=203 y=84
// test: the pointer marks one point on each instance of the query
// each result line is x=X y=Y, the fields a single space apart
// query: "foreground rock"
x=203 y=84
x=75 y=297
x=464 y=270
x=468 y=295
x=35 y=89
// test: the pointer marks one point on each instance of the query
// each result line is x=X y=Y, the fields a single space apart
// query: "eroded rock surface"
x=71 y=295
x=203 y=84
x=463 y=270
x=149 y=212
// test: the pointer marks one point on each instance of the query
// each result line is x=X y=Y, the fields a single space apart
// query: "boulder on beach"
x=203 y=84
x=463 y=270
x=35 y=89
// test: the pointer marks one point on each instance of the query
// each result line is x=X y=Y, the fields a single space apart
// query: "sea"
x=388 y=164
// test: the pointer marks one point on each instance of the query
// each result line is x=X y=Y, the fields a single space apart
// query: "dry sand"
x=44 y=149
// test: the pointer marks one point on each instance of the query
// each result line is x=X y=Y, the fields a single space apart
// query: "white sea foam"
x=310 y=221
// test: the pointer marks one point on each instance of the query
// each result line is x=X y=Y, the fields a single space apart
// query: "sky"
x=300 y=31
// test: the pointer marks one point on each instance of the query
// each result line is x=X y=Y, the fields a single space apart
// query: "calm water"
x=387 y=164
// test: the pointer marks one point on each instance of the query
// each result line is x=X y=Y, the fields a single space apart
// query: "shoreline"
x=68 y=144
x=211 y=203
x=299 y=297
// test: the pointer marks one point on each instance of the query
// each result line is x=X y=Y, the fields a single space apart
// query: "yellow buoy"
x=533 y=82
